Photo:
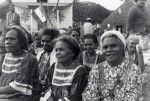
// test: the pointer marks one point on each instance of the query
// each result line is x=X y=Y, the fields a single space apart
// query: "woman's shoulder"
x=30 y=57
x=81 y=69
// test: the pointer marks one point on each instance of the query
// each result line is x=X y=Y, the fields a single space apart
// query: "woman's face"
x=75 y=35
x=12 y=42
x=46 y=42
x=89 y=45
x=131 y=45
x=63 y=53
x=113 y=49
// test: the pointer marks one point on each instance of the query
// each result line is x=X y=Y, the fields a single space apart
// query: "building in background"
x=118 y=18
x=25 y=8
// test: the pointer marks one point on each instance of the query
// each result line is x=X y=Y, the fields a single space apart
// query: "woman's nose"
x=108 y=48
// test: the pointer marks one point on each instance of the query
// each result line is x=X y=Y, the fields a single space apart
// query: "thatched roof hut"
x=118 y=18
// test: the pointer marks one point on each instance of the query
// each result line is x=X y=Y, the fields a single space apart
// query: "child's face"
x=89 y=45
x=75 y=35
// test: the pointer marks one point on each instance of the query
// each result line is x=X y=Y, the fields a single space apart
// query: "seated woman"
x=19 y=75
x=67 y=76
x=90 y=57
x=134 y=51
x=115 y=79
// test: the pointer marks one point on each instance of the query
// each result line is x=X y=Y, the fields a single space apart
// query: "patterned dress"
x=44 y=63
x=20 y=73
x=119 y=83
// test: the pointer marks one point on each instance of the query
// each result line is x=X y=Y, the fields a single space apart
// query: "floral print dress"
x=114 y=83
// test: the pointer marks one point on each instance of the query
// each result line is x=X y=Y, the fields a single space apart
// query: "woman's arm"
x=78 y=85
x=140 y=57
x=7 y=90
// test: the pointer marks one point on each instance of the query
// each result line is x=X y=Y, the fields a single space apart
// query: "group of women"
x=81 y=71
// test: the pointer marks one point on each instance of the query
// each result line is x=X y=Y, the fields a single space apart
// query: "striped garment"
x=63 y=77
x=11 y=64
x=13 y=73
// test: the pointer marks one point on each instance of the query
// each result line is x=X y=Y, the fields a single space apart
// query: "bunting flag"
x=39 y=14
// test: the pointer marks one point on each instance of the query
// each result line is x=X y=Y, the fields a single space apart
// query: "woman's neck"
x=17 y=53
x=67 y=63
x=116 y=63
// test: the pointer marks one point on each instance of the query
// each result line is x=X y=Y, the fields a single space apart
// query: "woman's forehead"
x=11 y=33
x=111 y=40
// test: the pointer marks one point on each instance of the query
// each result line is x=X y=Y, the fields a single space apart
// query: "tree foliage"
x=83 y=10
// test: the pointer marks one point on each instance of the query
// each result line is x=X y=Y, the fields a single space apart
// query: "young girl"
x=90 y=56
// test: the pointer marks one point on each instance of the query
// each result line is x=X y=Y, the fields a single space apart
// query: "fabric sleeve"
x=134 y=87
x=48 y=84
x=78 y=86
x=24 y=79
x=92 y=91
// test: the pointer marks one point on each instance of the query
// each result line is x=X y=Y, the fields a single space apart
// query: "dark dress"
x=74 y=91
x=21 y=74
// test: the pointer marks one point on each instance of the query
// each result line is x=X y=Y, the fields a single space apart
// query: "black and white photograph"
x=74 y=50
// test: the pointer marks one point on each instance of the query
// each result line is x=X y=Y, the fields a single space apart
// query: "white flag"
x=40 y=14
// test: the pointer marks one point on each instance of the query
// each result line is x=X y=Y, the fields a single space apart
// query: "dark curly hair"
x=23 y=41
x=53 y=33
x=91 y=36
x=72 y=45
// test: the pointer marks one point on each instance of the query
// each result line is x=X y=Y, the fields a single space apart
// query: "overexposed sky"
x=109 y=4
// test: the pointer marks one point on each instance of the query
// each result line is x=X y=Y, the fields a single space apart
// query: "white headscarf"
x=117 y=34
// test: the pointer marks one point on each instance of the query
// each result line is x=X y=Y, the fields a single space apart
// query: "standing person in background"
x=88 y=27
x=12 y=18
x=69 y=31
x=19 y=78
x=115 y=79
x=76 y=34
x=134 y=51
x=44 y=56
x=90 y=56
x=36 y=45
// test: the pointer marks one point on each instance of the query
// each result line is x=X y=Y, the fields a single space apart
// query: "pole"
x=57 y=18
x=31 y=22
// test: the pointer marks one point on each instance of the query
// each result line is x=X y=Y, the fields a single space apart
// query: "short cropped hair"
x=91 y=36
x=53 y=33
x=72 y=45
x=77 y=30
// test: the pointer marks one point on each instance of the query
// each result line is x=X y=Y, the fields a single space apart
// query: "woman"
x=19 y=75
x=115 y=79
x=67 y=76
x=90 y=56
x=134 y=51
x=76 y=35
